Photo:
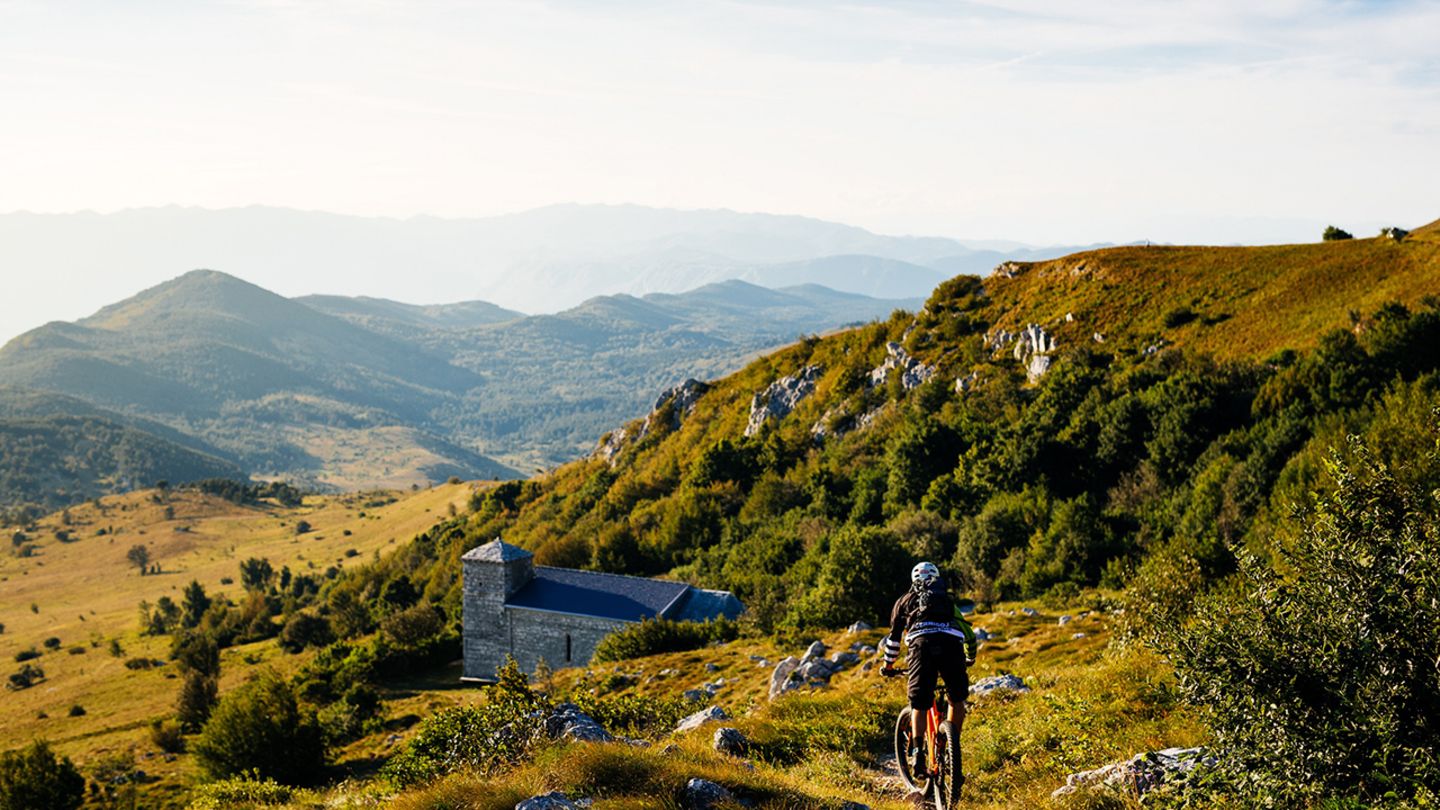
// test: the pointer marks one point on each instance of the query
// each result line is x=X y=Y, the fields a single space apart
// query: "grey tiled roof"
x=591 y=593
x=700 y=605
x=497 y=550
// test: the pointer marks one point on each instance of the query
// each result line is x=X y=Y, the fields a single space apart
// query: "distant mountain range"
x=540 y=261
x=214 y=375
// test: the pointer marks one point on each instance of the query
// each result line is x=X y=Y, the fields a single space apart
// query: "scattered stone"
x=1030 y=611
x=1139 y=774
x=845 y=659
x=708 y=715
x=731 y=741
x=981 y=634
x=1008 y=269
x=783 y=679
x=967 y=383
x=1078 y=636
x=693 y=695
x=1066 y=619
x=816 y=650
x=998 y=683
x=683 y=398
x=1069 y=317
x=1033 y=339
x=868 y=649
x=569 y=723
x=859 y=627
x=1098 y=338
x=781 y=397
x=669 y=749
x=701 y=794
x=554 y=800
x=712 y=667
x=867 y=666
x=1398 y=234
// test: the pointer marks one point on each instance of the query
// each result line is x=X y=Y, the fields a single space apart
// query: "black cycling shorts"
x=931 y=655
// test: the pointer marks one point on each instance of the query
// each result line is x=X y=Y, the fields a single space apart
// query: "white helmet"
x=924 y=573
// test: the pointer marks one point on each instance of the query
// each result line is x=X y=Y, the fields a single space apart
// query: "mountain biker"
x=941 y=643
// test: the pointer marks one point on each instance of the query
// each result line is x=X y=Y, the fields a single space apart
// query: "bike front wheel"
x=945 y=787
x=902 y=751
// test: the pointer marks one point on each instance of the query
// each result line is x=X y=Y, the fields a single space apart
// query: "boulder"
x=1139 y=774
x=816 y=650
x=702 y=794
x=781 y=397
x=567 y=722
x=1064 y=620
x=858 y=627
x=981 y=634
x=693 y=695
x=845 y=659
x=731 y=741
x=713 y=714
x=554 y=800
x=1030 y=611
x=711 y=667
x=868 y=649
x=998 y=683
x=783 y=678
x=1078 y=636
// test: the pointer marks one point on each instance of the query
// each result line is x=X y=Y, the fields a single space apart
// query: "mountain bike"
x=942 y=778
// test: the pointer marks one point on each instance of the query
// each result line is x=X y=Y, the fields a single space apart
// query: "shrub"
x=499 y=731
x=196 y=700
x=304 y=630
x=52 y=643
x=28 y=676
x=167 y=735
x=194 y=651
x=261 y=727
x=1334 y=234
x=34 y=776
x=654 y=636
x=143 y=663
x=77 y=711
x=412 y=626
x=1319 y=671
x=245 y=790
x=635 y=715
x=29 y=654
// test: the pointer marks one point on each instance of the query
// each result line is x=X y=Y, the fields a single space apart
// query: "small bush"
x=29 y=654
x=1334 y=234
x=654 y=636
x=78 y=649
x=168 y=736
x=635 y=715
x=196 y=700
x=52 y=643
x=245 y=790
x=77 y=711
x=261 y=727
x=411 y=627
x=1179 y=316
x=499 y=731
x=35 y=777
x=143 y=663
x=28 y=676
x=305 y=630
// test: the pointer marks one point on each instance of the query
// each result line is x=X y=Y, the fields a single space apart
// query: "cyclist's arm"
x=972 y=646
x=890 y=645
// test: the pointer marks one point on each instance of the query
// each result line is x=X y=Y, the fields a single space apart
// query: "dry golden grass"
x=1247 y=301
x=85 y=593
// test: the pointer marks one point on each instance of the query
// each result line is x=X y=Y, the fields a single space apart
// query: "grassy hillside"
x=1230 y=302
x=83 y=591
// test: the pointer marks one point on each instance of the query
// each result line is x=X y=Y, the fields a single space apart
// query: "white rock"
x=712 y=714
x=998 y=683
x=1139 y=774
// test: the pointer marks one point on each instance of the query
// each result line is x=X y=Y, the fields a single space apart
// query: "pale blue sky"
x=1034 y=120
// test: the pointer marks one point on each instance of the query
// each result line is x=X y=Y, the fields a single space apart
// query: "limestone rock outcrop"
x=781 y=397
x=912 y=372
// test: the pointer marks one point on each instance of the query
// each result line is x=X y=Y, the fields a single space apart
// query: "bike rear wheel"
x=945 y=787
x=902 y=751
